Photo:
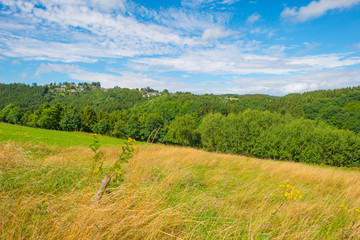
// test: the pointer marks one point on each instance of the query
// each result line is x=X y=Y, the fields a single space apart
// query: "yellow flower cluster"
x=118 y=172
x=131 y=139
x=342 y=206
x=96 y=170
x=291 y=192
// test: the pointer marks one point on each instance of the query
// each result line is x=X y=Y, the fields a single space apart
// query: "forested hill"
x=30 y=98
x=299 y=127
x=339 y=107
x=24 y=96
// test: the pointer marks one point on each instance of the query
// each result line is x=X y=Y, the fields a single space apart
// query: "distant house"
x=72 y=90
x=150 y=94
x=63 y=86
x=60 y=89
x=73 y=85
x=81 y=88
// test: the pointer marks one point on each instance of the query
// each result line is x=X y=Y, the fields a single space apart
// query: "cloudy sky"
x=202 y=46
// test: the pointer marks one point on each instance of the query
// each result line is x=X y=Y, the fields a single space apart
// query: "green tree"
x=5 y=112
x=12 y=114
x=102 y=127
x=15 y=115
x=211 y=132
x=88 y=118
x=50 y=118
x=153 y=123
x=71 y=121
x=119 y=129
x=183 y=131
x=133 y=127
x=32 y=120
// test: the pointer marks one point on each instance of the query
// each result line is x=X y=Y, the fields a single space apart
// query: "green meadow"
x=53 y=137
x=48 y=181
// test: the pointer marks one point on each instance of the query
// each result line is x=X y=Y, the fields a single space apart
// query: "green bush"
x=183 y=131
x=71 y=121
x=102 y=127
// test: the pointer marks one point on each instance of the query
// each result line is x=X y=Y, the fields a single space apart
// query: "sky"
x=199 y=46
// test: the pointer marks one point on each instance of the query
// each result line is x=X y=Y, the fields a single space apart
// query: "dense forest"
x=318 y=127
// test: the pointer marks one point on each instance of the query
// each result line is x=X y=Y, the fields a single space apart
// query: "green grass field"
x=53 y=137
x=46 y=192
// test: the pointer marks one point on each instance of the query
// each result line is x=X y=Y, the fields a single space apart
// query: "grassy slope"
x=52 y=137
x=169 y=193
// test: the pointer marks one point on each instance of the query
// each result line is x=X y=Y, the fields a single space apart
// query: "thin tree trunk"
x=150 y=135
x=155 y=135
x=105 y=182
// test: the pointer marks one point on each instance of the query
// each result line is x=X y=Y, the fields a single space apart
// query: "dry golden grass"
x=172 y=193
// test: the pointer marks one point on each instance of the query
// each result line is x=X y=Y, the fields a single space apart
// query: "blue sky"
x=204 y=46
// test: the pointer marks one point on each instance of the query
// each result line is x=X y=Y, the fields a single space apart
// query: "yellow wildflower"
x=134 y=147
x=118 y=172
x=96 y=170
x=291 y=192
x=357 y=209
x=344 y=207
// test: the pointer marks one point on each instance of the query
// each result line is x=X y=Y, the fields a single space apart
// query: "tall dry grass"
x=172 y=193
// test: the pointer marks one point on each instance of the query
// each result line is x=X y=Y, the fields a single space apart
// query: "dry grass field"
x=172 y=193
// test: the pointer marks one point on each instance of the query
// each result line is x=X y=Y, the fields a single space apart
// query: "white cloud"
x=324 y=61
x=199 y=3
x=48 y=68
x=299 y=83
x=186 y=20
x=75 y=31
x=357 y=45
x=11 y=26
x=262 y=31
x=316 y=9
x=230 y=59
x=194 y=3
x=109 y=5
x=215 y=33
x=253 y=18
x=308 y=48
x=31 y=49
x=326 y=79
